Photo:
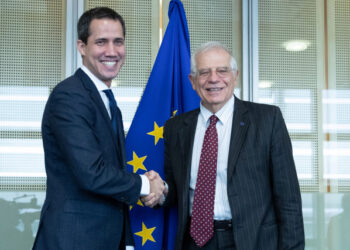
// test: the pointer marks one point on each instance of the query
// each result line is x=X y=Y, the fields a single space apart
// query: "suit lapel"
x=96 y=98
x=186 y=138
x=121 y=137
x=240 y=126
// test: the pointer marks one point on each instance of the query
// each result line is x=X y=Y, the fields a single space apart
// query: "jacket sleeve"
x=171 y=198
x=286 y=191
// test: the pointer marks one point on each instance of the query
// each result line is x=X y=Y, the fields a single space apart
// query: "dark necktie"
x=117 y=124
x=202 y=221
x=113 y=109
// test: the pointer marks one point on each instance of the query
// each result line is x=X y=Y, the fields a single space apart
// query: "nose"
x=111 y=49
x=213 y=77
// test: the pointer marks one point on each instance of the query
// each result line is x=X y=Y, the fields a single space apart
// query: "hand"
x=157 y=189
x=152 y=175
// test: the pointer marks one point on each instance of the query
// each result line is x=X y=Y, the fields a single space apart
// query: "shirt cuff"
x=163 y=198
x=129 y=248
x=145 y=188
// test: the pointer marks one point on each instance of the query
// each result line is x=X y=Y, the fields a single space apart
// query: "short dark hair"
x=96 y=13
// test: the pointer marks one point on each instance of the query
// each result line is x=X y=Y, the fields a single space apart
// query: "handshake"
x=158 y=191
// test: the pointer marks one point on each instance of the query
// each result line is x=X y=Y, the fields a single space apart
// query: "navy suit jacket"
x=88 y=188
x=262 y=184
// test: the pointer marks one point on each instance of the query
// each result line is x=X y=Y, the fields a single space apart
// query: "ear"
x=192 y=79
x=235 y=77
x=81 y=46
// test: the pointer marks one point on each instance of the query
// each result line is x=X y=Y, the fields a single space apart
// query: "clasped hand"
x=157 y=190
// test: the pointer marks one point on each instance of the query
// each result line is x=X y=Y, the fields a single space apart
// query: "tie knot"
x=110 y=97
x=213 y=120
x=108 y=93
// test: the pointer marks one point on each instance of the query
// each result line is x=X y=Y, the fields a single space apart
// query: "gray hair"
x=209 y=46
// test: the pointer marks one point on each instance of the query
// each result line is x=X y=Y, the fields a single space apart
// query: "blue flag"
x=168 y=93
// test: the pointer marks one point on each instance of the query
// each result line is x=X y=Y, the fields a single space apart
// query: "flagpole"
x=160 y=21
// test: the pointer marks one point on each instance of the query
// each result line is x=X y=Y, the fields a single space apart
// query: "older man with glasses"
x=229 y=166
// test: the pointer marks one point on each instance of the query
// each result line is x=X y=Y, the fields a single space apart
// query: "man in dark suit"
x=88 y=188
x=229 y=166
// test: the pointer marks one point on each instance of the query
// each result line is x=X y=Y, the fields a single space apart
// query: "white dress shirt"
x=222 y=209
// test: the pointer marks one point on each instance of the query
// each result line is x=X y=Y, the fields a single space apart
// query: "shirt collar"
x=98 y=83
x=223 y=114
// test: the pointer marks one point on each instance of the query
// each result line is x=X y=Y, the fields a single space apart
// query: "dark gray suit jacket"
x=88 y=188
x=262 y=184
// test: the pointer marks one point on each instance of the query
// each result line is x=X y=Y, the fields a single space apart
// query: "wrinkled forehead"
x=213 y=58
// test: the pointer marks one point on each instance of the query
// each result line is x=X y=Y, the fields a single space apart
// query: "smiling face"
x=214 y=81
x=104 y=52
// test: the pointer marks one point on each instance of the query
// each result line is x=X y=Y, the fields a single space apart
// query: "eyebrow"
x=226 y=67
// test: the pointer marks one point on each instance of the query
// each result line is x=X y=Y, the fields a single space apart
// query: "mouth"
x=109 y=63
x=214 y=89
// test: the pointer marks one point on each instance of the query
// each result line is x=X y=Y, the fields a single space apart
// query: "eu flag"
x=168 y=93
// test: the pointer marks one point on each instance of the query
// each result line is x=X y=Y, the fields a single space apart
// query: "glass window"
x=32 y=63
x=304 y=69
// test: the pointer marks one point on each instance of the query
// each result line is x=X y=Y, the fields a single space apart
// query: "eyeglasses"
x=221 y=72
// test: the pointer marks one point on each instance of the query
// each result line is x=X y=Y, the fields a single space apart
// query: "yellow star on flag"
x=138 y=203
x=137 y=162
x=174 y=113
x=157 y=133
x=146 y=234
